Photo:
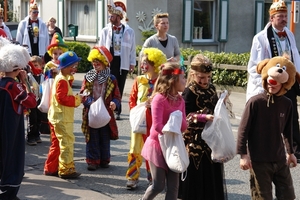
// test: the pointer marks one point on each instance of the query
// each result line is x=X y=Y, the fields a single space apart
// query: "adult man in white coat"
x=275 y=40
x=33 y=33
x=120 y=40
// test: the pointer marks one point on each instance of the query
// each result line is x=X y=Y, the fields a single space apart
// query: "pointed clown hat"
x=100 y=53
x=117 y=8
x=57 y=42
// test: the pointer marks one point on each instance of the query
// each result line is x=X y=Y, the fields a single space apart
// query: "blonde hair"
x=52 y=18
x=199 y=63
x=165 y=83
x=159 y=16
x=36 y=59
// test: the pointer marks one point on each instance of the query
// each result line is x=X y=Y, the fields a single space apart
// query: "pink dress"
x=161 y=108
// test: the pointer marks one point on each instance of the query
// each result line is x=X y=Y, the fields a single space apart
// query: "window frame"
x=188 y=23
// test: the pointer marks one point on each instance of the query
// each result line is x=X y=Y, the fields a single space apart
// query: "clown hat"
x=104 y=51
x=100 y=53
x=66 y=59
x=117 y=8
x=57 y=41
x=277 y=7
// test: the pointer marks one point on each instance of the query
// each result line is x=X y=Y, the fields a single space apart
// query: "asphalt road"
x=111 y=181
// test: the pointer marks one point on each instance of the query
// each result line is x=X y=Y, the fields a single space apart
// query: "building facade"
x=213 y=25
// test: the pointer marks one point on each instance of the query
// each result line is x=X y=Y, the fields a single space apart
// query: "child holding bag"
x=60 y=159
x=142 y=88
x=205 y=179
x=99 y=83
x=166 y=99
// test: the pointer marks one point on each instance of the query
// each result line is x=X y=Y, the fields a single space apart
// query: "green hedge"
x=82 y=50
x=220 y=76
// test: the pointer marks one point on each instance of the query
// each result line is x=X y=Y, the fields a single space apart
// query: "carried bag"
x=34 y=85
x=172 y=144
x=137 y=118
x=218 y=134
x=46 y=95
x=98 y=114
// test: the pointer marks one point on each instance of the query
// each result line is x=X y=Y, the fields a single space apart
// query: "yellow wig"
x=156 y=56
x=95 y=54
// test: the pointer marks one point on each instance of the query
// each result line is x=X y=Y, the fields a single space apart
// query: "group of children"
x=164 y=89
x=197 y=98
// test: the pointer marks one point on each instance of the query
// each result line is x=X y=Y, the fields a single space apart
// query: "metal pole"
x=292 y=24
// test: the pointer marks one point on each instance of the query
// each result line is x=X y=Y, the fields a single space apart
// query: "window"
x=86 y=22
x=203 y=20
x=199 y=20
x=262 y=14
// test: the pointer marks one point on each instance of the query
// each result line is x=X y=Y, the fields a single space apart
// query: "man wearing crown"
x=33 y=32
x=3 y=26
x=276 y=40
x=120 y=40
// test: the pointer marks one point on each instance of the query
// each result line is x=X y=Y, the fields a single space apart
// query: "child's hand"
x=245 y=162
x=112 y=105
x=148 y=103
x=291 y=160
x=88 y=101
x=209 y=117
x=22 y=76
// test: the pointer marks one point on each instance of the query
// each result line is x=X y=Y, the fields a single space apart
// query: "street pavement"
x=107 y=184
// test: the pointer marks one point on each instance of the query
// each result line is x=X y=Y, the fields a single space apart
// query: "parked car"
x=13 y=27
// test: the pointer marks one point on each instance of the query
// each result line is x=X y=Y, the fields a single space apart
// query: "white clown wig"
x=13 y=57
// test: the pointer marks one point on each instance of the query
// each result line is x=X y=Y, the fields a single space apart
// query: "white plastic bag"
x=98 y=114
x=46 y=95
x=218 y=134
x=34 y=85
x=137 y=118
x=172 y=144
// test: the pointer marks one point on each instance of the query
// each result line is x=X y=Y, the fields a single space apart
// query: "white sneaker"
x=131 y=184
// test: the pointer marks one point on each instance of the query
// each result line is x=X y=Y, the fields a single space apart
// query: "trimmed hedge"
x=220 y=76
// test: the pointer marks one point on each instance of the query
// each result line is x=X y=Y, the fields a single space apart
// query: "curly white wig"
x=4 y=41
x=13 y=57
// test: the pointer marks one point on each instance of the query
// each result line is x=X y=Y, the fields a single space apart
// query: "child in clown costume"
x=98 y=83
x=151 y=59
x=55 y=49
x=61 y=117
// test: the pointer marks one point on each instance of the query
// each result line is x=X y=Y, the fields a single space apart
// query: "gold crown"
x=34 y=6
x=117 y=8
x=277 y=7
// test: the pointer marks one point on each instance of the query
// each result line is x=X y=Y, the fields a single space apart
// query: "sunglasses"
x=35 y=12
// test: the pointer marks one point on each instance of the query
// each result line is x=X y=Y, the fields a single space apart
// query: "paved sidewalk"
x=35 y=185
x=107 y=184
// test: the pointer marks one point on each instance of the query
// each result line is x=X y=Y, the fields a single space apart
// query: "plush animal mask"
x=277 y=70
